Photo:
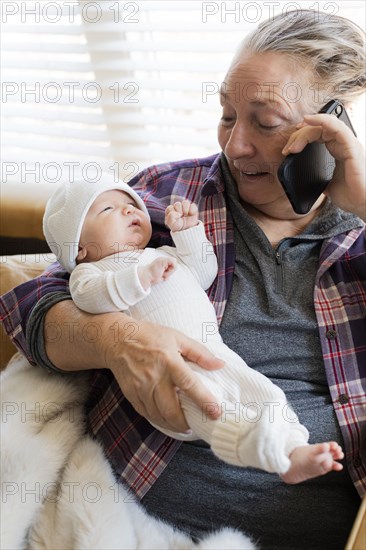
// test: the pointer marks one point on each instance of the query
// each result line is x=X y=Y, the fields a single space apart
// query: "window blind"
x=119 y=85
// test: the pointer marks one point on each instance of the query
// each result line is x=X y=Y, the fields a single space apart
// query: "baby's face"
x=114 y=223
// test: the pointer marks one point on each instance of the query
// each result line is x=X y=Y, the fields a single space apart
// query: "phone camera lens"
x=338 y=110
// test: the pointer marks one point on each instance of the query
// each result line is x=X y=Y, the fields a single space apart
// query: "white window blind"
x=94 y=85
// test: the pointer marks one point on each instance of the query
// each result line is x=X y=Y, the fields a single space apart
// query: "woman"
x=291 y=303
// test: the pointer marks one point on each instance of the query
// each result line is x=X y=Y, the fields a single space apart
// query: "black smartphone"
x=304 y=176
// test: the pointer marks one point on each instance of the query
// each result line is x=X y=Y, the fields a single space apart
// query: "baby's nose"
x=128 y=209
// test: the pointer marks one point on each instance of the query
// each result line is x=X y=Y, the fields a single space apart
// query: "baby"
x=99 y=233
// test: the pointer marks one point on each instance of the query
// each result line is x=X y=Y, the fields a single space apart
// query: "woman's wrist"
x=75 y=340
x=362 y=213
x=119 y=332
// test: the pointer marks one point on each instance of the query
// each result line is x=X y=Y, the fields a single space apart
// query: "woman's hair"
x=333 y=47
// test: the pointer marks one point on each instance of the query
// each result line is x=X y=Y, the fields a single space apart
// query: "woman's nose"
x=239 y=143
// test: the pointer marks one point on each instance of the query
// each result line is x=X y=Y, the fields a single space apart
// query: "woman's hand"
x=149 y=367
x=146 y=359
x=347 y=189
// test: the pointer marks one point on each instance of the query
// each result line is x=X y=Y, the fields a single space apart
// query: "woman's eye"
x=268 y=125
x=226 y=119
x=265 y=127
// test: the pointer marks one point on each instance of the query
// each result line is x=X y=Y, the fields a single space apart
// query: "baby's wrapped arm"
x=108 y=285
x=192 y=246
x=196 y=252
x=96 y=290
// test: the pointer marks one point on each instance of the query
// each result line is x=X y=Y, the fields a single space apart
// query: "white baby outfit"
x=257 y=427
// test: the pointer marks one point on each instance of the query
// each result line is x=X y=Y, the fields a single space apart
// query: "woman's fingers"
x=150 y=368
x=168 y=409
x=327 y=129
x=347 y=188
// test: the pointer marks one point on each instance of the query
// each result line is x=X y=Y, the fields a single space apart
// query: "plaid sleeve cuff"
x=35 y=329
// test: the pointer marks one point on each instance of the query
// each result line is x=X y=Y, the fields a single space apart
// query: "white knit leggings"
x=256 y=427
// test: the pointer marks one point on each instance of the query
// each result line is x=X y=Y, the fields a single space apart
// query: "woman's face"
x=262 y=101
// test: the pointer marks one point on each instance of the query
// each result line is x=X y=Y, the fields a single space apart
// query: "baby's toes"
x=337 y=466
x=336 y=450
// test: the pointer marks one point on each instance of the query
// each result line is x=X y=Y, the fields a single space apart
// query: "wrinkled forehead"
x=268 y=77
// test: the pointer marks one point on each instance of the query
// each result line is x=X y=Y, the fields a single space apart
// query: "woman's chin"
x=266 y=200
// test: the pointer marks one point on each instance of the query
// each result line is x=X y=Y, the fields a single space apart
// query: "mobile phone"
x=305 y=175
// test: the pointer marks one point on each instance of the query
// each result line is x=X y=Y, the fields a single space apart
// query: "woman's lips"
x=254 y=176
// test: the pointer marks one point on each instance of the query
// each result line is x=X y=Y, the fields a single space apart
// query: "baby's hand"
x=156 y=272
x=181 y=215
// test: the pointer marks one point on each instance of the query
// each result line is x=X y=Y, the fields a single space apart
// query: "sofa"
x=14 y=270
x=24 y=252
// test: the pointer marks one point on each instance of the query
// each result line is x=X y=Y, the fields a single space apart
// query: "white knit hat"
x=66 y=211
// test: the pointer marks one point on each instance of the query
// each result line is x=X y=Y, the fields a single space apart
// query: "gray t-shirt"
x=270 y=319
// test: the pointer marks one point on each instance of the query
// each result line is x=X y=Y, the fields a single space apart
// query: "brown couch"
x=15 y=270
x=22 y=208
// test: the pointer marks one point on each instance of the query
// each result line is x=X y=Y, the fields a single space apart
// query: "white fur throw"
x=57 y=488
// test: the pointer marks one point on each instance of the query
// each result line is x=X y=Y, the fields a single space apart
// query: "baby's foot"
x=312 y=461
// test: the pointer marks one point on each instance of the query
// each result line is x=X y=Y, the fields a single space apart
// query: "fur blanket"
x=57 y=488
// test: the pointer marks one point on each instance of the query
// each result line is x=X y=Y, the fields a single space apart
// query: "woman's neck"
x=276 y=228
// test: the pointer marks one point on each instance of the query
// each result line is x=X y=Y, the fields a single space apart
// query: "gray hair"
x=332 y=46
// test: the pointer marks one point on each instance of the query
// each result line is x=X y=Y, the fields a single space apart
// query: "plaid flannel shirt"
x=136 y=450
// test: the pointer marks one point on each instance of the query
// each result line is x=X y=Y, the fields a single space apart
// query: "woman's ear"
x=82 y=253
